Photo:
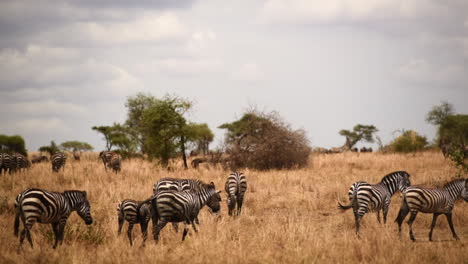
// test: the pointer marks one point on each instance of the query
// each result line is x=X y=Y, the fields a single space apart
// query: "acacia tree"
x=51 y=149
x=164 y=128
x=117 y=135
x=200 y=135
x=360 y=132
x=453 y=139
x=136 y=106
x=12 y=144
x=76 y=145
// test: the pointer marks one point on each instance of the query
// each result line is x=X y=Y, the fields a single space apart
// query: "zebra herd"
x=12 y=163
x=365 y=197
x=173 y=201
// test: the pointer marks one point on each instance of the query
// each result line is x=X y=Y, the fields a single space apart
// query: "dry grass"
x=288 y=217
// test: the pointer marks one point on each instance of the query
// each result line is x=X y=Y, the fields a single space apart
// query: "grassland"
x=288 y=217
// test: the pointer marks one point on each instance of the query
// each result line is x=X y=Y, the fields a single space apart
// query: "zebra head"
x=214 y=199
x=80 y=203
x=402 y=179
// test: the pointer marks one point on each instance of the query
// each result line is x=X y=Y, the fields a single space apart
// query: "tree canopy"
x=439 y=113
x=51 y=149
x=360 y=132
x=12 y=144
x=263 y=141
x=117 y=135
x=409 y=141
x=453 y=139
x=76 y=145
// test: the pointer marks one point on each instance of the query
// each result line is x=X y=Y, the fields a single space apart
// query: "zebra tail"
x=352 y=204
x=404 y=210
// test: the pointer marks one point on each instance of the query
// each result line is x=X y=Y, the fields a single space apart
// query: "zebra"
x=127 y=210
x=175 y=206
x=428 y=200
x=58 y=161
x=36 y=205
x=106 y=157
x=8 y=163
x=115 y=163
x=235 y=187
x=175 y=184
x=22 y=161
x=365 y=197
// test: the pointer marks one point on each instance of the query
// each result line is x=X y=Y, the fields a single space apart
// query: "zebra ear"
x=212 y=183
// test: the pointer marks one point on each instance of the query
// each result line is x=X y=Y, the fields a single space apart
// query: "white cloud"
x=51 y=126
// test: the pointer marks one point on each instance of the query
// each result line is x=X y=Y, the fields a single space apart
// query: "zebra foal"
x=366 y=197
x=36 y=205
x=428 y=200
x=235 y=187
x=127 y=211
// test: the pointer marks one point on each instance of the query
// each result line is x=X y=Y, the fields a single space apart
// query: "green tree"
x=51 y=149
x=409 y=141
x=453 y=139
x=439 y=113
x=136 y=106
x=12 y=144
x=164 y=129
x=117 y=135
x=76 y=145
x=263 y=141
x=200 y=135
x=360 y=132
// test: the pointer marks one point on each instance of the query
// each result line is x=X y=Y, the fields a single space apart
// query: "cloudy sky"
x=324 y=65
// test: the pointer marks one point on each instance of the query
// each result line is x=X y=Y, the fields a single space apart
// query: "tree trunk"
x=182 y=147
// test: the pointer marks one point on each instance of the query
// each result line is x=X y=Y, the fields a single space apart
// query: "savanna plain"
x=289 y=216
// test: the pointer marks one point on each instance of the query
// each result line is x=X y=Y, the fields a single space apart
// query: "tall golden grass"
x=288 y=216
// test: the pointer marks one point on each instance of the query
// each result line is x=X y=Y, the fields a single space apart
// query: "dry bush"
x=289 y=216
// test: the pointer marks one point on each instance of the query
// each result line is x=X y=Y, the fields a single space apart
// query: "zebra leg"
x=23 y=234
x=121 y=223
x=158 y=229
x=240 y=200
x=144 y=231
x=196 y=220
x=129 y=233
x=449 y=219
x=410 y=224
x=231 y=203
x=385 y=213
x=194 y=227
x=61 y=229
x=55 y=229
x=434 y=220
x=185 y=232
x=378 y=216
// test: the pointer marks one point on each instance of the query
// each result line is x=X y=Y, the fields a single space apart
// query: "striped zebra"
x=58 y=161
x=106 y=157
x=366 y=197
x=435 y=201
x=8 y=163
x=180 y=185
x=235 y=187
x=22 y=161
x=115 y=163
x=174 y=207
x=36 y=205
x=127 y=211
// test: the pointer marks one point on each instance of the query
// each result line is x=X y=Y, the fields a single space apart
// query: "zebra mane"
x=454 y=182
x=387 y=177
x=72 y=192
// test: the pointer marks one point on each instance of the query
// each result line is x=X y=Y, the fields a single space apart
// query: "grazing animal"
x=115 y=163
x=428 y=200
x=235 y=187
x=174 y=206
x=58 y=161
x=106 y=157
x=180 y=185
x=36 y=205
x=366 y=197
x=127 y=211
x=8 y=163
x=22 y=161
x=39 y=159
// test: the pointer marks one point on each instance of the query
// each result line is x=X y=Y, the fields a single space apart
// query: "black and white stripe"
x=435 y=201
x=22 y=161
x=36 y=205
x=174 y=207
x=115 y=163
x=127 y=211
x=8 y=163
x=235 y=187
x=179 y=185
x=366 y=197
x=106 y=157
x=58 y=161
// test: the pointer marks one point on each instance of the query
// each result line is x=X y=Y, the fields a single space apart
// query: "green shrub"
x=409 y=141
